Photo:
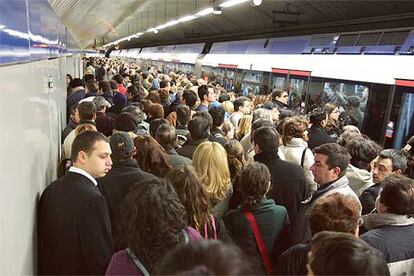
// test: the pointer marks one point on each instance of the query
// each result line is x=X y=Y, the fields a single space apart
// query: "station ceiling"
x=98 y=22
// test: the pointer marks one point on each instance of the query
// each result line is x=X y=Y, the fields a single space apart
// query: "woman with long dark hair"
x=152 y=222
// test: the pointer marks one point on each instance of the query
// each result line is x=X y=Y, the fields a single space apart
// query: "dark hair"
x=205 y=115
x=253 y=184
x=224 y=97
x=317 y=116
x=206 y=257
x=399 y=161
x=337 y=156
x=239 y=102
x=217 y=113
x=266 y=138
x=151 y=157
x=154 y=97
x=85 y=142
x=86 y=110
x=113 y=84
x=152 y=220
x=118 y=78
x=235 y=157
x=132 y=90
x=199 y=128
x=183 y=115
x=155 y=124
x=334 y=212
x=91 y=86
x=76 y=82
x=277 y=93
x=334 y=253
x=164 y=84
x=192 y=195
x=362 y=152
x=190 y=98
x=397 y=194
x=166 y=136
x=202 y=91
x=88 y=77
x=105 y=86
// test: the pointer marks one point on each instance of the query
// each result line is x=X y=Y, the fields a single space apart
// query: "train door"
x=298 y=88
x=400 y=123
x=251 y=82
x=278 y=80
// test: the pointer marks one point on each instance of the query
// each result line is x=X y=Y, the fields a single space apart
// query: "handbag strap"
x=302 y=160
x=259 y=241
x=213 y=224
x=140 y=266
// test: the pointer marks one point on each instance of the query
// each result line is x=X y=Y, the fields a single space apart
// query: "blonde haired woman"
x=244 y=127
x=210 y=163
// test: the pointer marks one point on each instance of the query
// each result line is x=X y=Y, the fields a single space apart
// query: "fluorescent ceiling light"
x=205 y=12
x=160 y=27
x=150 y=30
x=257 y=2
x=232 y=3
x=171 y=23
x=187 y=18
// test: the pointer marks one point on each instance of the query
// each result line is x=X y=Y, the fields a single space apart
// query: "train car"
x=362 y=72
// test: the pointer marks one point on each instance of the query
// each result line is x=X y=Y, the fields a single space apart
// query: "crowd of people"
x=162 y=173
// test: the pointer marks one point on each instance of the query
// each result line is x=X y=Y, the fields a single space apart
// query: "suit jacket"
x=114 y=187
x=74 y=232
x=289 y=186
x=188 y=149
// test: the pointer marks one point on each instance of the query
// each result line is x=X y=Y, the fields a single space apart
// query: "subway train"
x=367 y=72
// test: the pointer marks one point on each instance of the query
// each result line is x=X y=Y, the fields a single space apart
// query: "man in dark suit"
x=124 y=173
x=288 y=179
x=74 y=231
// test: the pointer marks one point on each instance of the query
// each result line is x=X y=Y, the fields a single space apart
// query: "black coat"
x=318 y=136
x=189 y=148
x=293 y=261
x=114 y=187
x=368 y=198
x=74 y=234
x=289 y=186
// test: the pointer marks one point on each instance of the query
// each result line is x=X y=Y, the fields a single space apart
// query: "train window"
x=376 y=111
x=278 y=82
x=351 y=98
x=297 y=93
x=252 y=77
x=400 y=125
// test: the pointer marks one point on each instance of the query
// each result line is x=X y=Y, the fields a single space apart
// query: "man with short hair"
x=124 y=173
x=391 y=229
x=207 y=96
x=199 y=128
x=281 y=99
x=289 y=186
x=216 y=135
x=329 y=169
x=388 y=162
x=87 y=115
x=73 y=121
x=74 y=234
x=167 y=137
x=77 y=92
x=335 y=212
x=242 y=106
